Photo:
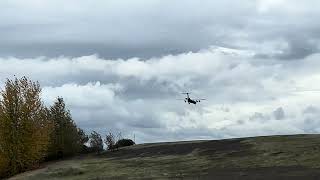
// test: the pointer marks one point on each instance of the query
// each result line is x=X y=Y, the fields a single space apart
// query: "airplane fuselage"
x=190 y=101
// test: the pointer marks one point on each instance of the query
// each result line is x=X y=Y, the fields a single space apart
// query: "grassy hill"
x=272 y=157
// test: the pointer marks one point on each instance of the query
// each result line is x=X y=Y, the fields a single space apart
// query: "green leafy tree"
x=24 y=126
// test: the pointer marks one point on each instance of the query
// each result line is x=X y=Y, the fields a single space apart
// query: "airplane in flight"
x=189 y=100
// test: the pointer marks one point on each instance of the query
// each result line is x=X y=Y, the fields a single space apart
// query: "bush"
x=125 y=142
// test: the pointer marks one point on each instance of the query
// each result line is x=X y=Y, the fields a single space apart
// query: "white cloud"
x=88 y=96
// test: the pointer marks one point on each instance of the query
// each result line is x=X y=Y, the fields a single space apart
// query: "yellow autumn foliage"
x=24 y=126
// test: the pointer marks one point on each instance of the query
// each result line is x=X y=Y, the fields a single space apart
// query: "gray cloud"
x=279 y=113
x=114 y=29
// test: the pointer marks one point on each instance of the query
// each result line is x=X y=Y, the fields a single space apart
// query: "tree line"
x=31 y=133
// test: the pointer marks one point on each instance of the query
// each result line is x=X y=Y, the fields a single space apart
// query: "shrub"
x=125 y=142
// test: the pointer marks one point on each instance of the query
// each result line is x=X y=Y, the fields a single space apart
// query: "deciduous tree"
x=24 y=125
x=110 y=141
x=96 y=142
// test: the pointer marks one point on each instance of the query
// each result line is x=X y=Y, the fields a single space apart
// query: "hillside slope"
x=272 y=157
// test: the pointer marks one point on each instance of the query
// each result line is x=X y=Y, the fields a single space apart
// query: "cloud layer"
x=246 y=95
x=284 y=29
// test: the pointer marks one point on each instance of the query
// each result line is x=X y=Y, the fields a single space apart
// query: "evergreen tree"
x=66 y=138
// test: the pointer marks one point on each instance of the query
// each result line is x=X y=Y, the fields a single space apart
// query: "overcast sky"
x=121 y=65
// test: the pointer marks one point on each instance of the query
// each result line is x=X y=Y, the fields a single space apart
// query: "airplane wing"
x=199 y=100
